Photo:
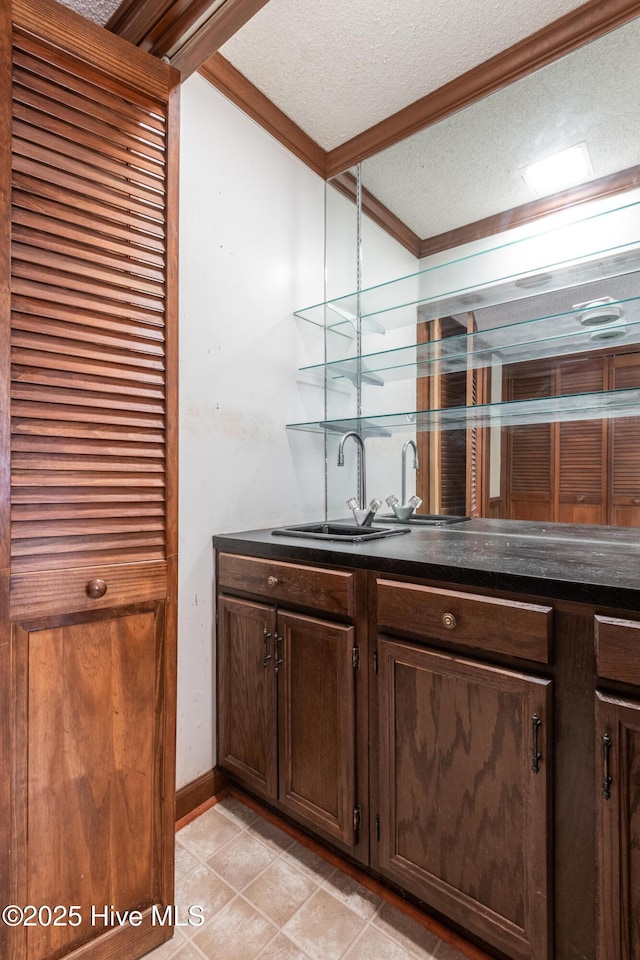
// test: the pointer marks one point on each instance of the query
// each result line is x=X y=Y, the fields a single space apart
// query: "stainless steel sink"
x=349 y=532
x=427 y=519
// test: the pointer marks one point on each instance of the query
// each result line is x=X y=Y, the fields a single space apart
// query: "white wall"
x=251 y=251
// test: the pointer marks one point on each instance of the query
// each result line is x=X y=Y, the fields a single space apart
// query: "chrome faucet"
x=363 y=482
x=363 y=516
x=403 y=491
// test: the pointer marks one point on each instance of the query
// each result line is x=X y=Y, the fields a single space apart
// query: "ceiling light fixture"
x=559 y=171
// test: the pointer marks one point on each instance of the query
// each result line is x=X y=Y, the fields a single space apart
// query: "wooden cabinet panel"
x=464 y=817
x=317 y=723
x=618 y=811
x=332 y=591
x=247 y=731
x=89 y=773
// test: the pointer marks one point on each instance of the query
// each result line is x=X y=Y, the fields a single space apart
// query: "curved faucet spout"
x=363 y=472
x=408 y=443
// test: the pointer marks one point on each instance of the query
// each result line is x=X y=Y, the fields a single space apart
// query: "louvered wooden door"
x=92 y=479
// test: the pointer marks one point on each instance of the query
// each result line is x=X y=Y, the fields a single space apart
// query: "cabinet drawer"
x=329 y=590
x=90 y=588
x=486 y=623
x=618 y=649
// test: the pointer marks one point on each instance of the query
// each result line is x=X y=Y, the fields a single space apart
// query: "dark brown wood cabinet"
x=487 y=785
x=618 y=818
x=287 y=694
x=464 y=767
x=88 y=489
x=617 y=765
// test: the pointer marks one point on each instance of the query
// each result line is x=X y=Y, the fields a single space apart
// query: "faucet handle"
x=390 y=501
x=352 y=503
x=414 y=502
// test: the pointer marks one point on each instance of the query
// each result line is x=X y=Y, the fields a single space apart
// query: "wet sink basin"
x=346 y=532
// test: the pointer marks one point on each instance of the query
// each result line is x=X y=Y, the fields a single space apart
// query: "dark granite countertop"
x=589 y=564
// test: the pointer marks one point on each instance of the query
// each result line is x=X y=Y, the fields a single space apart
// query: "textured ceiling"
x=431 y=180
x=338 y=67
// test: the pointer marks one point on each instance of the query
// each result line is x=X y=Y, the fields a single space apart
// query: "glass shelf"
x=580 y=406
x=557 y=335
x=489 y=278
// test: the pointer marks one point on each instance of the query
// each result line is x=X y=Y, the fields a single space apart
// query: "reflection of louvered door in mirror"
x=581 y=446
x=528 y=454
x=575 y=471
x=93 y=539
x=442 y=475
x=624 y=449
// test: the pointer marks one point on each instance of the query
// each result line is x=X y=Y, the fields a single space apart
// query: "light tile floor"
x=266 y=896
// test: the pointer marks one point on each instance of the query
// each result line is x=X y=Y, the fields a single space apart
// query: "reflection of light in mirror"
x=561 y=170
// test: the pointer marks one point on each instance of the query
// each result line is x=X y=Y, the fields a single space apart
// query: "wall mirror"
x=519 y=316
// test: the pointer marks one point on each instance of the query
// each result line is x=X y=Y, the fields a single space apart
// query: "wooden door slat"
x=70 y=380
x=33 y=329
x=34 y=90
x=31 y=179
x=68 y=73
x=75 y=256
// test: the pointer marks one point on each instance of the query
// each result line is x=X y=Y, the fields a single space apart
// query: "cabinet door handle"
x=267 y=656
x=536 y=756
x=606 y=769
x=96 y=589
x=449 y=621
x=277 y=638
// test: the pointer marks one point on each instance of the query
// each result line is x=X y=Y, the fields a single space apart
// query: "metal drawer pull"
x=96 y=589
x=272 y=581
x=606 y=772
x=536 y=756
x=449 y=621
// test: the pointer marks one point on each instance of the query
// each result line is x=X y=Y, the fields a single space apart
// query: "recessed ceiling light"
x=559 y=171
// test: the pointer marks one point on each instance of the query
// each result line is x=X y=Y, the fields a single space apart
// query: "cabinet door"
x=247 y=712
x=317 y=724
x=88 y=773
x=618 y=766
x=463 y=816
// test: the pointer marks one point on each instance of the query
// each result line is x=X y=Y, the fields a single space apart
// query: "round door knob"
x=580 y=499
x=96 y=589
x=448 y=620
x=636 y=501
x=272 y=581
